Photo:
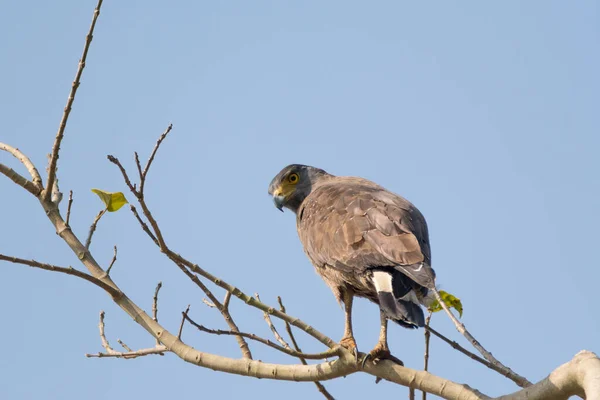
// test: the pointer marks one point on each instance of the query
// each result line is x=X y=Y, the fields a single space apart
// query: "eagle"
x=363 y=241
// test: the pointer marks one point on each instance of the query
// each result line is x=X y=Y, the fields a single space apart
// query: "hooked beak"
x=278 y=200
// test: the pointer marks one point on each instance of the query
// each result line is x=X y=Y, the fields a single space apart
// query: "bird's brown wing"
x=353 y=224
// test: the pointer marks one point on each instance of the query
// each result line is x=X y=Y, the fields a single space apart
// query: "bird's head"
x=293 y=184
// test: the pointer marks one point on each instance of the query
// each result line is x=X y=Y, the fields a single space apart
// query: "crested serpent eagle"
x=363 y=241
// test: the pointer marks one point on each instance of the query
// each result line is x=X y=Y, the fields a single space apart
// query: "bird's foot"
x=349 y=343
x=381 y=352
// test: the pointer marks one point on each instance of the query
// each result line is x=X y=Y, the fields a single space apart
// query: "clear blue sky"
x=485 y=115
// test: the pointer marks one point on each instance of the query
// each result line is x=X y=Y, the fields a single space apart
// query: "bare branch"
x=466 y=352
x=252 y=301
x=69 y=271
x=88 y=241
x=578 y=377
x=110 y=352
x=19 y=180
x=183 y=317
x=208 y=303
x=155 y=306
x=319 y=356
x=103 y=339
x=226 y=300
x=288 y=328
x=124 y=345
x=504 y=370
x=67 y=111
x=36 y=179
x=158 y=239
x=138 y=165
x=426 y=356
x=144 y=225
x=69 y=207
x=149 y=163
x=213 y=302
x=34 y=187
x=155 y=302
x=272 y=327
x=112 y=262
x=116 y=161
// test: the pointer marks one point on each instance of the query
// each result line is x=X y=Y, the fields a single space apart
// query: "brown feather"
x=350 y=225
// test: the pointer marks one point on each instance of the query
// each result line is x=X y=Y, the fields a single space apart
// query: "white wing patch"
x=382 y=281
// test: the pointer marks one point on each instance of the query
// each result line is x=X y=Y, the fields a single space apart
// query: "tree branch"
x=19 y=179
x=70 y=203
x=287 y=350
x=88 y=241
x=272 y=327
x=578 y=377
x=151 y=158
x=63 y=123
x=69 y=271
x=497 y=365
x=110 y=352
x=112 y=262
x=18 y=154
x=288 y=328
x=426 y=356
x=35 y=185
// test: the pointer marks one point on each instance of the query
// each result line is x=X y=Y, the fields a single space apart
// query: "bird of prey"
x=363 y=241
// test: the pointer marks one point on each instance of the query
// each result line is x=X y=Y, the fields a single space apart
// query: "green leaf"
x=113 y=201
x=450 y=300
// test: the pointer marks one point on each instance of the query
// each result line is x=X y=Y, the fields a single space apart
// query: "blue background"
x=485 y=115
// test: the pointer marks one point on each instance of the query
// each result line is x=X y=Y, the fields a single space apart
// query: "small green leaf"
x=450 y=300
x=113 y=201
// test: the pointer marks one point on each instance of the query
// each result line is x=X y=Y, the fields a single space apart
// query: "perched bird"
x=363 y=241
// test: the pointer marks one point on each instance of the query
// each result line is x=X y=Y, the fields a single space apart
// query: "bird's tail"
x=399 y=298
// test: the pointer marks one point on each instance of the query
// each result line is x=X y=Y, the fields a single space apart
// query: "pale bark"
x=580 y=376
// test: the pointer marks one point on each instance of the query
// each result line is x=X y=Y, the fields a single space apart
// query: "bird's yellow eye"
x=293 y=178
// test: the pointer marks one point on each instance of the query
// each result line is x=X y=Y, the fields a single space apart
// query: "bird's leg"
x=381 y=350
x=348 y=340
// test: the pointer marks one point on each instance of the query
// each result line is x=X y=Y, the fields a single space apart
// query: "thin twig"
x=110 y=352
x=272 y=327
x=103 y=339
x=226 y=300
x=155 y=302
x=67 y=111
x=20 y=180
x=426 y=356
x=155 y=306
x=183 y=317
x=411 y=393
x=138 y=165
x=112 y=262
x=127 y=348
x=156 y=235
x=466 y=352
x=116 y=161
x=208 y=303
x=69 y=271
x=151 y=158
x=320 y=387
x=504 y=370
x=69 y=207
x=143 y=224
x=88 y=241
x=56 y=195
x=318 y=356
x=36 y=179
x=213 y=302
